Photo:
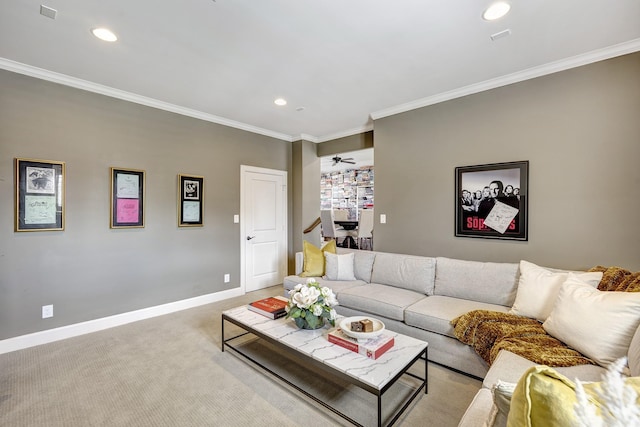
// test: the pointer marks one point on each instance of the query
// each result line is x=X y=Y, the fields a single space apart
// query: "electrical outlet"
x=47 y=311
x=383 y=219
x=227 y=278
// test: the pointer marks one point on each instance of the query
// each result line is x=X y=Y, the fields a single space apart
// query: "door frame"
x=244 y=169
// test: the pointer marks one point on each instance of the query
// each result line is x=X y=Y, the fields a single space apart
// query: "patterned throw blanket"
x=618 y=279
x=488 y=332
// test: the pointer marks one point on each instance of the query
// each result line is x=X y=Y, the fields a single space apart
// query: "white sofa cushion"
x=377 y=299
x=338 y=267
x=436 y=313
x=489 y=282
x=538 y=289
x=410 y=272
x=598 y=324
x=502 y=393
x=362 y=262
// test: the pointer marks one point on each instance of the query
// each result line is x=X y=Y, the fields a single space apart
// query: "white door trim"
x=244 y=169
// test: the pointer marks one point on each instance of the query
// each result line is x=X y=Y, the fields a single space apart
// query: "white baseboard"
x=69 y=331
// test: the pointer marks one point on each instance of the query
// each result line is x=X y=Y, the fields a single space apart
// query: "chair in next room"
x=365 y=228
x=329 y=229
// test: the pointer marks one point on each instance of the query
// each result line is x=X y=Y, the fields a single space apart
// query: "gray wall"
x=359 y=141
x=580 y=131
x=89 y=271
x=306 y=194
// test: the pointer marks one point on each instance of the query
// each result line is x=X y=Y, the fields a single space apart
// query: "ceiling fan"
x=337 y=159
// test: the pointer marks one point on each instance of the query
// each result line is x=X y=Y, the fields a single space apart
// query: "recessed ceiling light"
x=496 y=11
x=104 y=34
x=280 y=102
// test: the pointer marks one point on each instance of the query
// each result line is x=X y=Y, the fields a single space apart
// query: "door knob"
x=250 y=237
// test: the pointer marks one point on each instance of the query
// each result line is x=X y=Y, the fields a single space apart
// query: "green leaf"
x=313 y=321
x=294 y=313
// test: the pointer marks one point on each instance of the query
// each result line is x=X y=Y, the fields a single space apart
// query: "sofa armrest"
x=481 y=412
x=299 y=262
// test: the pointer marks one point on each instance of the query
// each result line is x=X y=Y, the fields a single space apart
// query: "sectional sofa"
x=421 y=296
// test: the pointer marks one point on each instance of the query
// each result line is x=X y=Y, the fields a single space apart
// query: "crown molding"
x=63 y=79
x=344 y=134
x=531 y=73
x=550 y=68
x=306 y=137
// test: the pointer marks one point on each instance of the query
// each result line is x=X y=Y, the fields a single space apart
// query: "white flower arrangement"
x=311 y=304
x=618 y=401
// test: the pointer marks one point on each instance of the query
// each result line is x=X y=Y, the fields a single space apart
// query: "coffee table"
x=312 y=346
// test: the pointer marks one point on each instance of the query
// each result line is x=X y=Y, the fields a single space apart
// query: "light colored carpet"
x=169 y=371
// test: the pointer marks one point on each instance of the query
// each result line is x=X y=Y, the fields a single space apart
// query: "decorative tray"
x=345 y=325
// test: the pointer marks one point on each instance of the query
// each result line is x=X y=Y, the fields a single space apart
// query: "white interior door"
x=263 y=227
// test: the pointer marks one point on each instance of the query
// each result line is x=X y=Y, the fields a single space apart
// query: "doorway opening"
x=347 y=190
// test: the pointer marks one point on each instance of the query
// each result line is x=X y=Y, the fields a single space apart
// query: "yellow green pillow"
x=544 y=397
x=313 y=265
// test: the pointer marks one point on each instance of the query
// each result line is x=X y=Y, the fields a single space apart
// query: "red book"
x=272 y=307
x=372 y=348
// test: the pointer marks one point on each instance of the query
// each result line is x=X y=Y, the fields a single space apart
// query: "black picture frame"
x=500 y=209
x=190 y=200
x=127 y=198
x=39 y=195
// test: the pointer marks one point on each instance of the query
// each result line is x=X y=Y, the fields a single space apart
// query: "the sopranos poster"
x=491 y=200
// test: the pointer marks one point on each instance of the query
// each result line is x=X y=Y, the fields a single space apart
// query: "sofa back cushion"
x=490 y=282
x=415 y=273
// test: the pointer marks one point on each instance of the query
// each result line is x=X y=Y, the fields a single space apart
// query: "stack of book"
x=272 y=307
x=371 y=348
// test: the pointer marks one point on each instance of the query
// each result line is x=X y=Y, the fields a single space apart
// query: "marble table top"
x=314 y=343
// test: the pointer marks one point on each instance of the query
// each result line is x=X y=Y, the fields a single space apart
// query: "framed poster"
x=190 y=200
x=127 y=198
x=40 y=192
x=492 y=201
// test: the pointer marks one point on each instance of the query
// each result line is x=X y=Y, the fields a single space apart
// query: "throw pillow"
x=502 y=394
x=339 y=267
x=544 y=397
x=313 y=264
x=598 y=324
x=634 y=354
x=538 y=289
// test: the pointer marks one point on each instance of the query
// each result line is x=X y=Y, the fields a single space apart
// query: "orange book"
x=372 y=348
x=272 y=307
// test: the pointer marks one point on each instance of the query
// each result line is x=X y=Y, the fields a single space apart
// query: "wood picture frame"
x=127 y=198
x=492 y=201
x=39 y=195
x=190 y=200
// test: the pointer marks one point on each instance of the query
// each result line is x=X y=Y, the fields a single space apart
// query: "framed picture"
x=40 y=192
x=127 y=198
x=190 y=200
x=492 y=201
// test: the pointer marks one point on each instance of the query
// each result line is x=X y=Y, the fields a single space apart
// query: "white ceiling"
x=338 y=63
x=361 y=158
